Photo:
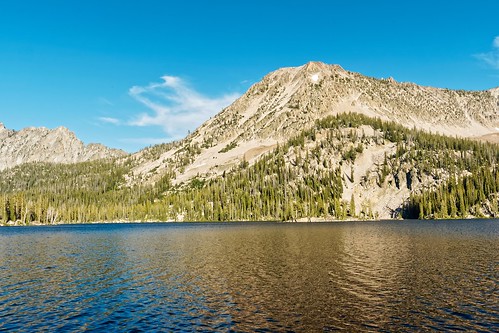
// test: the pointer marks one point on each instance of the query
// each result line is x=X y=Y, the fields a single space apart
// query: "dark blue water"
x=383 y=276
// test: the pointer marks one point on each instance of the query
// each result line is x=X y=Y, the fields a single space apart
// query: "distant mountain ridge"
x=59 y=145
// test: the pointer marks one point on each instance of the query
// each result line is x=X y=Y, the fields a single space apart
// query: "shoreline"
x=298 y=221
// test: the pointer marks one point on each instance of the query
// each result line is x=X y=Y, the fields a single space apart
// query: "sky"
x=130 y=74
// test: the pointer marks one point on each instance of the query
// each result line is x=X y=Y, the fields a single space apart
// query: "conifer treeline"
x=475 y=195
x=301 y=178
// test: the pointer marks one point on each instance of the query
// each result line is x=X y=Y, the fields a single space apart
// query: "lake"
x=266 y=277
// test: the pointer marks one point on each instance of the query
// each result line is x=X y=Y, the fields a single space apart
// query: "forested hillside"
x=345 y=166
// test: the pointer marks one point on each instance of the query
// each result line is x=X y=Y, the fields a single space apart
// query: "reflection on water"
x=385 y=276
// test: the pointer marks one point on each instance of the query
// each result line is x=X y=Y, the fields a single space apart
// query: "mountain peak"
x=62 y=129
x=4 y=131
x=40 y=144
x=320 y=66
x=316 y=70
x=314 y=66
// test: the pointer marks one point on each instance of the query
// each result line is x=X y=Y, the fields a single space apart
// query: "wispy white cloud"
x=110 y=120
x=491 y=58
x=175 y=106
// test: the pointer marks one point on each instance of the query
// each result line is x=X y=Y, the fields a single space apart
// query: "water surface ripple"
x=245 y=277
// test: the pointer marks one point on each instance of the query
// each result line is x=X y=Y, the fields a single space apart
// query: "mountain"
x=292 y=99
x=311 y=142
x=44 y=145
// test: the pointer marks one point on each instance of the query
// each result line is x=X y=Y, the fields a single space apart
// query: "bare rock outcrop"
x=45 y=145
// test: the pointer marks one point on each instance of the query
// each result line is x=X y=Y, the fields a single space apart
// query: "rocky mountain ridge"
x=308 y=142
x=291 y=99
x=59 y=145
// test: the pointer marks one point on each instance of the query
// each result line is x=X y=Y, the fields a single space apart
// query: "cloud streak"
x=491 y=58
x=175 y=106
x=110 y=120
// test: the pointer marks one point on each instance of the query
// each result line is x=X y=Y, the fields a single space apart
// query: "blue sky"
x=132 y=73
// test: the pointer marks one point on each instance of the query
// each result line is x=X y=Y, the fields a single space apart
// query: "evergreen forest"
x=304 y=177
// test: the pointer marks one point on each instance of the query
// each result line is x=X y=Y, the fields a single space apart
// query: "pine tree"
x=352 y=206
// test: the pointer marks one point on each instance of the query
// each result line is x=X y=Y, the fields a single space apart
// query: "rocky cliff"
x=45 y=145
